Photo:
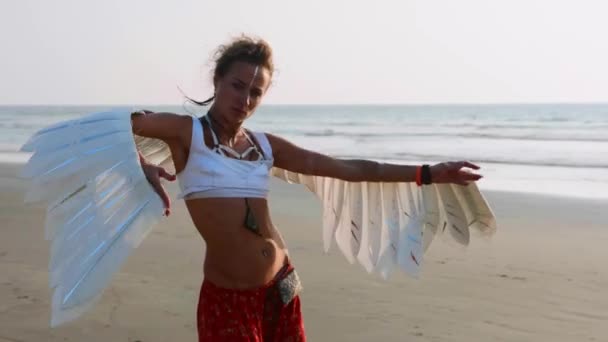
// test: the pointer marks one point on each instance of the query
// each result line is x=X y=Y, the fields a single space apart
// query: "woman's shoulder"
x=167 y=127
x=262 y=140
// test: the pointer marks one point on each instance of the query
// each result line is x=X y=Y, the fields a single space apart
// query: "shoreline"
x=10 y=169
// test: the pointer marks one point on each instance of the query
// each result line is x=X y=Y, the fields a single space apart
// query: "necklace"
x=223 y=149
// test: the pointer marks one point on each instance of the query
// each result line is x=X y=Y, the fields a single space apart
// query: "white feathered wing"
x=387 y=225
x=99 y=203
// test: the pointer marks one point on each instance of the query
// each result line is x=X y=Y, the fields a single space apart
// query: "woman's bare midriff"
x=236 y=257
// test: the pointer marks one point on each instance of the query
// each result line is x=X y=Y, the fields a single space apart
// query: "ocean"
x=557 y=149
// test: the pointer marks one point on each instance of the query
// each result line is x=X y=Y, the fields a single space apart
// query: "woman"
x=250 y=289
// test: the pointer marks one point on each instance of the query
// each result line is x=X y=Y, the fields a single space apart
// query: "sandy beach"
x=540 y=278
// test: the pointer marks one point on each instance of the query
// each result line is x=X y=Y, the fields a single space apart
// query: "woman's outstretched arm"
x=293 y=158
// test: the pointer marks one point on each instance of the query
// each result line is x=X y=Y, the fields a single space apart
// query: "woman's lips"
x=240 y=111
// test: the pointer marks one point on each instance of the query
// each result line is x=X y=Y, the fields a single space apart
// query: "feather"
x=382 y=226
x=99 y=203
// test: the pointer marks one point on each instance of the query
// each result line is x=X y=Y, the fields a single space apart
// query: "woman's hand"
x=452 y=172
x=153 y=174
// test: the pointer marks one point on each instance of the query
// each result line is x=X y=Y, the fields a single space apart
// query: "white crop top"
x=209 y=174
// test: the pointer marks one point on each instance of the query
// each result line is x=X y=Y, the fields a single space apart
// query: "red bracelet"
x=419 y=175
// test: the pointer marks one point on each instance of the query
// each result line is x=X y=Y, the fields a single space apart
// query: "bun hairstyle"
x=242 y=49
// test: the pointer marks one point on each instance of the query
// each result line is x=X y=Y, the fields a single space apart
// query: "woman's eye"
x=237 y=86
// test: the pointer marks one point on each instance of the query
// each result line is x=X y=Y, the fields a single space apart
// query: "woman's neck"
x=225 y=131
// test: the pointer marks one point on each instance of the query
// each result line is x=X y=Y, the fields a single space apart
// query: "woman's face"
x=240 y=91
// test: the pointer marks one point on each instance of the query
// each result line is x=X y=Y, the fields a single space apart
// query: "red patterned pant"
x=239 y=315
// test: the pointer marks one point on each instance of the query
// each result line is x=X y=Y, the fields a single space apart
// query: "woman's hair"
x=242 y=49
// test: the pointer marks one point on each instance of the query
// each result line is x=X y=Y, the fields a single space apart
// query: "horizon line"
x=324 y=104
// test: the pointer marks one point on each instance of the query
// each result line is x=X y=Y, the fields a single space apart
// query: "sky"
x=326 y=52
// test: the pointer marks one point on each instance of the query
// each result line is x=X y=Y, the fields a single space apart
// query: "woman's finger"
x=461 y=164
x=472 y=176
x=166 y=175
x=471 y=165
x=164 y=196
